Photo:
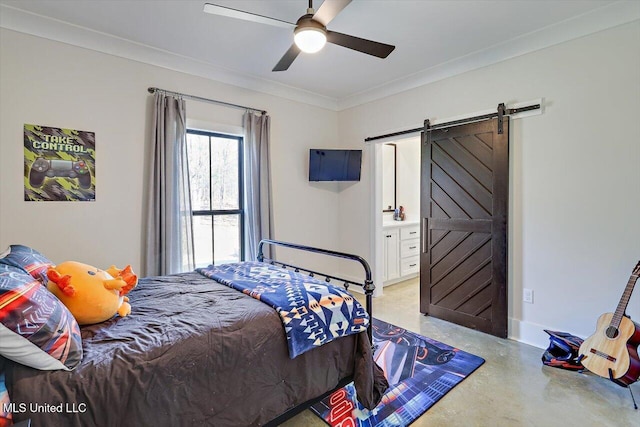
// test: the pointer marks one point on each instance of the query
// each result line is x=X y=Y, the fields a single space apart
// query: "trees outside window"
x=215 y=169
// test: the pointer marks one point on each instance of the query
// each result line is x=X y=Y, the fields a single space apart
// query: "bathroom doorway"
x=397 y=215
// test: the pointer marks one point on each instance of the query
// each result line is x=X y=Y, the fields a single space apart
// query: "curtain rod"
x=507 y=112
x=199 y=98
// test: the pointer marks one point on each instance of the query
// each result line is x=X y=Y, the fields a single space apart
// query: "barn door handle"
x=425 y=229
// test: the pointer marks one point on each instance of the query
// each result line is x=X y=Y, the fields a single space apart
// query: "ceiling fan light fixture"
x=310 y=31
x=310 y=39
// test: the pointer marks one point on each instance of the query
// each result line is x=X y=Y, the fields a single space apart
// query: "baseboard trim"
x=525 y=332
x=528 y=333
x=399 y=279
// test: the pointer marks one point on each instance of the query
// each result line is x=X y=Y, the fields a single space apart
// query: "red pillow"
x=36 y=329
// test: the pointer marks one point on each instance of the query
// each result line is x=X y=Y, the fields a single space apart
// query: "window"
x=215 y=169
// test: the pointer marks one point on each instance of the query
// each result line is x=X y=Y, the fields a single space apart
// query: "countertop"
x=389 y=224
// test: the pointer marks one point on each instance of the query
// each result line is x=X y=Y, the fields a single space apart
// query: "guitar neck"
x=624 y=301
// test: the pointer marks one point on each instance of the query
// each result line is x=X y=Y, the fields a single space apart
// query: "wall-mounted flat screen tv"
x=334 y=165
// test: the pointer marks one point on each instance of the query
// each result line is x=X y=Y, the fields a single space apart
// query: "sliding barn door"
x=464 y=195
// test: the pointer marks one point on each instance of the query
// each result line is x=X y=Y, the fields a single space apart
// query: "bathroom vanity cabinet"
x=401 y=243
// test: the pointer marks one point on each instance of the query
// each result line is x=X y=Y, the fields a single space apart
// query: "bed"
x=195 y=352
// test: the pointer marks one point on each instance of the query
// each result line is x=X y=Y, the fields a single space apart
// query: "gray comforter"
x=193 y=352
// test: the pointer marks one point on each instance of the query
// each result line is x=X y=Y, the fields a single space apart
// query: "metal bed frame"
x=367 y=286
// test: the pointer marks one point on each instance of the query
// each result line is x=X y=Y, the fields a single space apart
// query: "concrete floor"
x=512 y=388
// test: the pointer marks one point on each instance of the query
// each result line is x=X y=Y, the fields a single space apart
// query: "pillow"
x=27 y=259
x=36 y=329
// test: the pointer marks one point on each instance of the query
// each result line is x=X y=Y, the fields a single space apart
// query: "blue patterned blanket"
x=313 y=312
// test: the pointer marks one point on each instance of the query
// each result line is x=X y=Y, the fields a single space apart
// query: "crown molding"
x=608 y=16
x=41 y=26
x=599 y=19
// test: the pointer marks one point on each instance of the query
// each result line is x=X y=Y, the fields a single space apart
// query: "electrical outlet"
x=527 y=295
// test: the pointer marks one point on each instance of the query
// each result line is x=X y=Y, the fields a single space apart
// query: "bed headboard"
x=367 y=285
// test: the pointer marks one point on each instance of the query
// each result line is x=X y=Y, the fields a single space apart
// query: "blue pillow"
x=28 y=260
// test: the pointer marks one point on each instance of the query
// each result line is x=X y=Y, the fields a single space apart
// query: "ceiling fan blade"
x=214 y=9
x=329 y=9
x=287 y=58
x=369 y=47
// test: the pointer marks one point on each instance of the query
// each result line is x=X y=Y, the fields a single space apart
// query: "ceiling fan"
x=310 y=31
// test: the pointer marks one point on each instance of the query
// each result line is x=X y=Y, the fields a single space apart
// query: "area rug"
x=419 y=370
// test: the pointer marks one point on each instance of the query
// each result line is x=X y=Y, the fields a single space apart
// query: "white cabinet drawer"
x=409 y=265
x=410 y=232
x=409 y=248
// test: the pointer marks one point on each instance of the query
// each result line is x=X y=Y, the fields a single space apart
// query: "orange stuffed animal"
x=92 y=295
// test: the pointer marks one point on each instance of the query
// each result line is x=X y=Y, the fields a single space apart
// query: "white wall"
x=54 y=84
x=574 y=234
x=575 y=180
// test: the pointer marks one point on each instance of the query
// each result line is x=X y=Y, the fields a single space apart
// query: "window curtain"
x=257 y=176
x=169 y=230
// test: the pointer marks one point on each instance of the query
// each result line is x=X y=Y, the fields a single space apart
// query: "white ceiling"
x=433 y=39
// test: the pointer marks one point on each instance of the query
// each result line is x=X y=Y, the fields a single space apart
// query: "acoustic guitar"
x=612 y=351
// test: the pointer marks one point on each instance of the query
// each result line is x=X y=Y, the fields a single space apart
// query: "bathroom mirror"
x=388 y=177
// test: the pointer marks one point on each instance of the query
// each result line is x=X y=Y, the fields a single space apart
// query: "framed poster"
x=59 y=164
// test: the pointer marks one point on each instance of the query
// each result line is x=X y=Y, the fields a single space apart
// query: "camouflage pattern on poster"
x=59 y=164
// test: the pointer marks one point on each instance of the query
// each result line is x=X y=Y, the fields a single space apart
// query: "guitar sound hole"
x=611 y=332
